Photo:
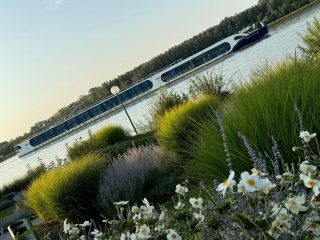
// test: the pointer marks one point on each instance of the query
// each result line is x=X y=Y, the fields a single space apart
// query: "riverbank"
x=275 y=23
x=3 y=158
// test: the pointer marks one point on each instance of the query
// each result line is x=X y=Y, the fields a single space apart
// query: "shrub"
x=103 y=138
x=81 y=148
x=109 y=135
x=262 y=109
x=23 y=183
x=177 y=128
x=210 y=83
x=167 y=101
x=122 y=147
x=142 y=171
x=311 y=39
x=68 y=192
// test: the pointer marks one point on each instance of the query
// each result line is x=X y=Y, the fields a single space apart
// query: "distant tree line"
x=268 y=10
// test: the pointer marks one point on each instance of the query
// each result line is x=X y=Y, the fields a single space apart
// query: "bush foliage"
x=177 y=128
x=213 y=83
x=109 y=135
x=311 y=39
x=166 y=101
x=68 y=192
x=103 y=138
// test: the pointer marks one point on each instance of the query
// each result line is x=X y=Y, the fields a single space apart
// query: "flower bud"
x=294 y=149
x=134 y=209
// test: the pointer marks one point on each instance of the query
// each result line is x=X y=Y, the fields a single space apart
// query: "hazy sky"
x=53 y=51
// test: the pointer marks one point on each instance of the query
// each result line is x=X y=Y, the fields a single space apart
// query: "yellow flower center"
x=173 y=235
x=312 y=225
x=196 y=203
x=251 y=182
x=311 y=183
x=283 y=225
x=225 y=182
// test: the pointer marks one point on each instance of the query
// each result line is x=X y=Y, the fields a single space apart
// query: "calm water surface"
x=281 y=42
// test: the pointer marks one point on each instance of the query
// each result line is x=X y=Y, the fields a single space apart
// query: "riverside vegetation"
x=256 y=134
x=268 y=10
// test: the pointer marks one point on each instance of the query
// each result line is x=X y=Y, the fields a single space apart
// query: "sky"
x=53 y=51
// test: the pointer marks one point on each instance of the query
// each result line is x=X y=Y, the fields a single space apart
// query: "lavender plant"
x=142 y=171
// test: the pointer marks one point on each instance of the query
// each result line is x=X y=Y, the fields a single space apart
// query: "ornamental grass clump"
x=210 y=83
x=103 y=138
x=109 y=135
x=261 y=110
x=81 y=148
x=145 y=171
x=68 y=192
x=166 y=101
x=177 y=128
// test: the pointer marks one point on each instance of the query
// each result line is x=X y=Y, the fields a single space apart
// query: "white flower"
x=196 y=202
x=181 y=190
x=241 y=188
x=267 y=186
x=250 y=183
x=280 y=213
x=306 y=136
x=162 y=215
x=159 y=227
x=147 y=209
x=229 y=183
x=66 y=226
x=198 y=216
x=294 y=204
x=179 y=205
x=146 y=202
x=74 y=231
x=144 y=232
x=121 y=203
x=278 y=226
x=133 y=236
x=125 y=236
x=307 y=168
x=311 y=226
x=256 y=172
x=311 y=183
x=173 y=235
x=82 y=237
x=134 y=209
x=85 y=224
x=96 y=233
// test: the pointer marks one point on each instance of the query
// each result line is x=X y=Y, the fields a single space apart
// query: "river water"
x=281 y=42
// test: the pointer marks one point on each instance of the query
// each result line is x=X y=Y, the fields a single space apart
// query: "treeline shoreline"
x=272 y=12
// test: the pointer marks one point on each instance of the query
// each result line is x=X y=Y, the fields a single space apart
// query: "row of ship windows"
x=195 y=62
x=90 y=113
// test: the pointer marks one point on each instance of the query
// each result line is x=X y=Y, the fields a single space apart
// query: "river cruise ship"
x=152 y=83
